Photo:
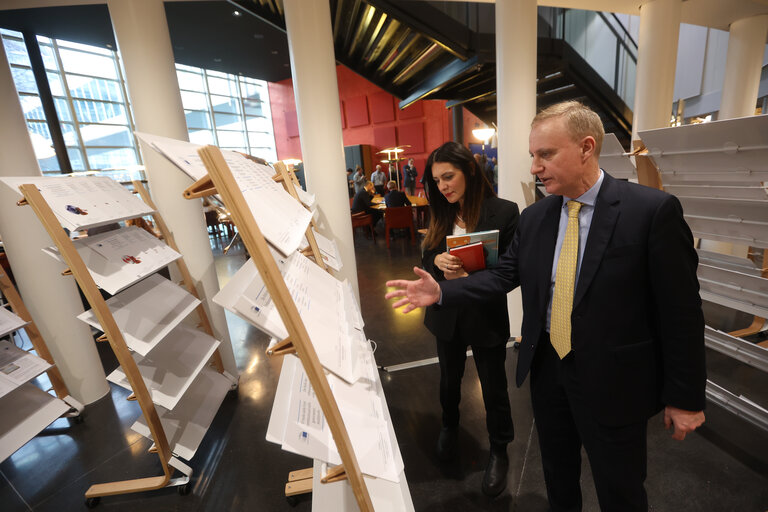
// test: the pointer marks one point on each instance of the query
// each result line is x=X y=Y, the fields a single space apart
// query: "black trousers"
x=617 y=455
x=452 y=355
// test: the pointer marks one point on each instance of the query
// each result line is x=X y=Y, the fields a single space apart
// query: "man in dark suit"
x=394 y=197
x=612 y=323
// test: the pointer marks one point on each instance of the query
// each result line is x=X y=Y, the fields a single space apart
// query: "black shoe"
x=446 y=443
x=495 y=479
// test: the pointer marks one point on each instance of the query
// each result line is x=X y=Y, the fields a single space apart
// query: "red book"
x=471 y=255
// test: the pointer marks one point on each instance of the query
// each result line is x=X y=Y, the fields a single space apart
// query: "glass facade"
x=88 y=87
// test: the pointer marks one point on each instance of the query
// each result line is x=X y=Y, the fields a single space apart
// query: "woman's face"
x=450 y=181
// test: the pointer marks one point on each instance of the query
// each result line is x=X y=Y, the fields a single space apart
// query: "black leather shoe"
x=446 y=443
x=495 y=479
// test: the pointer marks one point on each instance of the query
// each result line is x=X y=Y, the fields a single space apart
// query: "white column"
x=656 y=61
x=142 y=35
x=516 y=107
x=51 y=299
x=743 y=65
x=315 y=86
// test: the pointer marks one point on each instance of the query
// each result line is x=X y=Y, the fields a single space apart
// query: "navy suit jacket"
x=487 y=317
x=637 y=323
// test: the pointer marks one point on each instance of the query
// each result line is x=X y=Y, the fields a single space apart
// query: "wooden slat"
x=265 y=263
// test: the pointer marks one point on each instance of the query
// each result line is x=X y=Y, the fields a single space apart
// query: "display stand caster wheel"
x=183 y=489
x=92 y=502
x=292 y=500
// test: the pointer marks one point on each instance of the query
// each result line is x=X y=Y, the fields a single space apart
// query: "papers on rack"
x=147 y=311
x=281 y=218
x=305 y=197
x=9 y=322
x=181 y=153
x=299 y=425
x=119 y=258
x=86 y=201
x=17 y=367
x=326 y=306
x=328 y=250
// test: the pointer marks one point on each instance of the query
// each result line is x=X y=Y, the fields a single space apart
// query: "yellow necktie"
x=562 y=300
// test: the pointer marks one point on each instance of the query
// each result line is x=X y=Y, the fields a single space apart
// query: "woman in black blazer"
x=462 y=201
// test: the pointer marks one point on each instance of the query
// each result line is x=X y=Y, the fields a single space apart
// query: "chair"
x=400 y=217
x=361 y=220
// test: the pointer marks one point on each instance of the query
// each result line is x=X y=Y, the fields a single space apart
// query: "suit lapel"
x=603 y=221
x=546 y=239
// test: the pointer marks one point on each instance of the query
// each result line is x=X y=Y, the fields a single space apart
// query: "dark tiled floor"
x=723 y=467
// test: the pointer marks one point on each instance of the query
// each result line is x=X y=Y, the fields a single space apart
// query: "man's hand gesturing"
x=414 y=294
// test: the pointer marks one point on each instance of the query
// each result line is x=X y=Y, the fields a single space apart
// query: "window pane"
x=76 y=159
x=9 y=32
x=197 y=119
x=100 y=135
x=251 y=90
x=184 y=67
x=231 y=139
x=258 y=124
x=41 y=140
x=62 y=109
x=55 y=83
x=253 y=108
x=109 y=158
x=227 y=121
x=49 y=61
x=43 y=40
x=49 y=165
x=16 y=52
x=201 y=137
x=225 y=104
x=32 y=107
x=222 y=86
x=70 y=135
x=84 y=47
x=88 y=64
x=260 y=139
x=190 y=81
x=99 y=112
x=194 y=100
x=94 y=88
x=24 y=80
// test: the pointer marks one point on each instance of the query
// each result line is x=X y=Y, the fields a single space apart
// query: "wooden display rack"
x=220 y=180
x=114 y=336
x=27 y=426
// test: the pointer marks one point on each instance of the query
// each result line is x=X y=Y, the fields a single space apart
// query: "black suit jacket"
x=395 y=199
x=486 y=317
x=637 y=324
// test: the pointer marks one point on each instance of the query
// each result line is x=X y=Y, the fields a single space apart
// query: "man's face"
x=559 y=161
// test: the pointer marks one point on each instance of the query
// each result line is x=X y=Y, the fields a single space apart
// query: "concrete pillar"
x=516 y=56
x=142 y=36
x=51 y=299
x=315 y=86
x=656 y=61
x=743 y=65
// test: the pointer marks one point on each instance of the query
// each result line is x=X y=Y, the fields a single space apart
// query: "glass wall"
x=88 y=87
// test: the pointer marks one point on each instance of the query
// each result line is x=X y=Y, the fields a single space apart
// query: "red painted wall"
x=369 y=115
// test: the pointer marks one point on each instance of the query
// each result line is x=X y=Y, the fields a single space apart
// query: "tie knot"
x=573 y=208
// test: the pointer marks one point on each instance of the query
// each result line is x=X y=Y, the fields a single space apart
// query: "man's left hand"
x=683 y=421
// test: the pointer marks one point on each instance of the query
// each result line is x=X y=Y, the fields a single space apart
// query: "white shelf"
x=17 y=367
x=9 y=322
x=121 y=257
x=172 y=366
x=147 y=311
x=187 y=424
x=25 y=412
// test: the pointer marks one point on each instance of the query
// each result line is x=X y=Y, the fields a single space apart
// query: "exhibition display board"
x=174 y=372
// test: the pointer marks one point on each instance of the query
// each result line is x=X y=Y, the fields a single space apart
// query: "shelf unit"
x=717 y=170
x=175 y=373
x=26 y=409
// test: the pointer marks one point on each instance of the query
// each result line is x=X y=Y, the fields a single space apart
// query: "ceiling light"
x=274 y=52
x=236 y=14
x=483 y=134
x=217 y=60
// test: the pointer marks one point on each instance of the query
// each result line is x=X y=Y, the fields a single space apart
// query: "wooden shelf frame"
x=114 y=336
x=255 y=243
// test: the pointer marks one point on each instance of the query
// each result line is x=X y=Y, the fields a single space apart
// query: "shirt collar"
x=590 y=196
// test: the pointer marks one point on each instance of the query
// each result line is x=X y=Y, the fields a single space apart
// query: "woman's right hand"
x=448 y=263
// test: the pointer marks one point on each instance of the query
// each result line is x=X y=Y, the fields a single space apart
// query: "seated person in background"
x=394 y=197
x=362 y=203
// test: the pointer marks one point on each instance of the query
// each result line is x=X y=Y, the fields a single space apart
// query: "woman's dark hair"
x=443 y=213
